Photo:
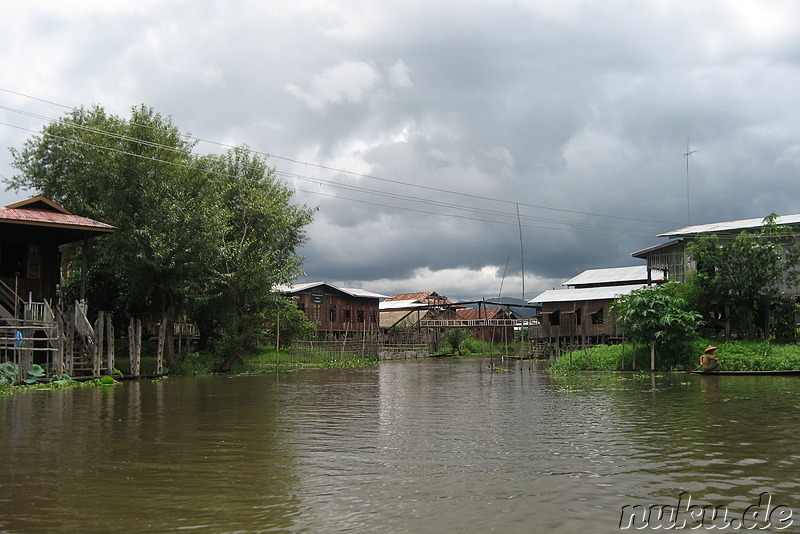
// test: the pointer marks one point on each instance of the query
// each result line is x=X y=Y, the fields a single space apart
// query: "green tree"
x=739 y=278
x=137 y=175
x=290 y=323
x=207 y=235
x=256 y=248
x=659 y=317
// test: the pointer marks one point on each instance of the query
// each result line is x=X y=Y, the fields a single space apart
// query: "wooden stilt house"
x=581 y=314
x=337 y=312
x=34 y=326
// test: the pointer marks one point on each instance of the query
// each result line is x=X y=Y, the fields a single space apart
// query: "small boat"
x=747 y=373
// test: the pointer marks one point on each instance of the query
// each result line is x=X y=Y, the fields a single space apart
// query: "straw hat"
x=709 y=349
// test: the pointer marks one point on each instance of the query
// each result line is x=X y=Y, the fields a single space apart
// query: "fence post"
x=97 y=353
x=162 y=339
x=110 y=346
x=135 y=345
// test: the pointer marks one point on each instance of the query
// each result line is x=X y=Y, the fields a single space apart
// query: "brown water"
x=409 y=446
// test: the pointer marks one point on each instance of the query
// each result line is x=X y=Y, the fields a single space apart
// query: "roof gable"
x=39 y=203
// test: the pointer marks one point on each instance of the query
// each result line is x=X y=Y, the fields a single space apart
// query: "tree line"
x=205 y=237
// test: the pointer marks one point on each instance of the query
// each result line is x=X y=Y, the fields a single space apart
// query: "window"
x=597 y=317
x=554 y=318
x=360 y=316
x=346 y=316
x=332 y=313
x=34 y=261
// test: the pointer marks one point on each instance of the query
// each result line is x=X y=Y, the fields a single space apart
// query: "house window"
x=578 y=316
x=597 y=317
x=301 y=306
x=360 y=316
x=555 y=318
x=332 y=313
x=346 y=316
x=34 y=261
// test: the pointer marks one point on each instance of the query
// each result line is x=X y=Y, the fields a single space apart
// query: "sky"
x=476 y=148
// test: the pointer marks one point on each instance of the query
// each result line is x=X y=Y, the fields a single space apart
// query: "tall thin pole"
x=522 y=253
x=500 y=293
x=688 y=195
x=522 y=265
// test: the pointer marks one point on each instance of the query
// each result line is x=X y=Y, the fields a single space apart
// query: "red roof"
x=477 y=314
x=39 y=211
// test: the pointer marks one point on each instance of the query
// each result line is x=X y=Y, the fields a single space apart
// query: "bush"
x=454 y=337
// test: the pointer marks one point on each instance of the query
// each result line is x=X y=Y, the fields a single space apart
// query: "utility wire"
x=342 y=171
x=625 y=231
x=575 y=226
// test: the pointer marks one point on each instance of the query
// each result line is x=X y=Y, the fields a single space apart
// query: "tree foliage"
x=209 y=236
x=260 y=231
x=738 y=279
x=657 y=315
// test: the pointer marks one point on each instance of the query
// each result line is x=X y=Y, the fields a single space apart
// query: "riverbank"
x=734 y=356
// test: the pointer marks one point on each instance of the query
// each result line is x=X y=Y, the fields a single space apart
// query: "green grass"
x=263 y=360
x=65 y=383
x=733 y=355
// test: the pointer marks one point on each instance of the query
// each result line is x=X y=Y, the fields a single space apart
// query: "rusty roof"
x=40 y=211
x=477 y=314
x=428 y=297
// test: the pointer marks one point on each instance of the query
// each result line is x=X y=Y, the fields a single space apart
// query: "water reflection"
x=417 y=446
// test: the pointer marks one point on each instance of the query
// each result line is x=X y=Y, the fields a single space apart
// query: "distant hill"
x=510 y=301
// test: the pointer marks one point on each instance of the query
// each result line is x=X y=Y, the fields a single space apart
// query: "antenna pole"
x=522 y=253
x=688 y=196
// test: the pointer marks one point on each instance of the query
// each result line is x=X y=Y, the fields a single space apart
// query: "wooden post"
x=97 y=353
x=652 y=356
x=110 y=346
x=162 y=338
x=84 y=267
x=69 y=345
x=278 y=339
x=135 y=345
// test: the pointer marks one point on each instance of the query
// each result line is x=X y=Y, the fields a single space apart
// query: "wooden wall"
x=338 y=312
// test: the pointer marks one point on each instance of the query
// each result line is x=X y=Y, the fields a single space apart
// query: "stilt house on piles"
x=492 y=324
x=337 y=312
x=35 y=327
x=403 y=317
x=580 y=314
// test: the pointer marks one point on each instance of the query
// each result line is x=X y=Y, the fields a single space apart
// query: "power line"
x=626 y=231
x=352 y=173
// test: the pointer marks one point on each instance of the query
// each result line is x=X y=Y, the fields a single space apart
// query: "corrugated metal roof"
x=730 y=226
x=401 y=304
x=353 y=292
x=607 y=276
x=644 y=252
x=431 y=297
x=358 y=292
x=589 y=293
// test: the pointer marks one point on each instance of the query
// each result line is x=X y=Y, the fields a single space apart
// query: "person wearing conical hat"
x=708 y=361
